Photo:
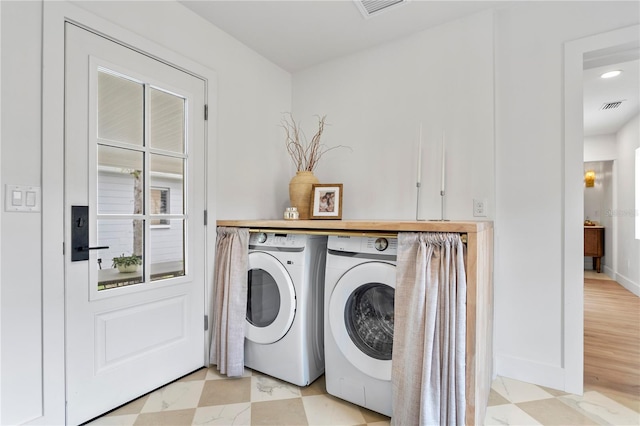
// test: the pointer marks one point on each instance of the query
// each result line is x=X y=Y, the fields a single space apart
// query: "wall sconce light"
x=589 y=178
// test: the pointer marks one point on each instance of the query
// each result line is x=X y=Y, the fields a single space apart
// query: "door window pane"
x=167 y=121
x=120 y=109
x=159 y=205
x=166 y=251
x=263 y=298
x=145 y=180
x=368 y=317
x=168 y=172
x=120 y=181
x=122 y=263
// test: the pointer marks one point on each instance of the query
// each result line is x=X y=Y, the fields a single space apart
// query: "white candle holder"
x=442 y=184
x=418 y=201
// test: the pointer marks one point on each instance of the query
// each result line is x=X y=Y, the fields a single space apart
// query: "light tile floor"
x=207 y=398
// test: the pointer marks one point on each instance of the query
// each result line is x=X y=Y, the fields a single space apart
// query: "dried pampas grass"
x=305 y=156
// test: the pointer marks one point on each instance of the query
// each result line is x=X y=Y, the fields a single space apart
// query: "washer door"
x=361 y=317
x=271 y=299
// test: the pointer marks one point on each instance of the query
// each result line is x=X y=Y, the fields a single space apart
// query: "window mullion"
x=147 y=184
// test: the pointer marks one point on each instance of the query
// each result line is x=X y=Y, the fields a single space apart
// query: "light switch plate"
x=22 y=198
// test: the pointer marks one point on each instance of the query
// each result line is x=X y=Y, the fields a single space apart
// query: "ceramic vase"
x=300 y=192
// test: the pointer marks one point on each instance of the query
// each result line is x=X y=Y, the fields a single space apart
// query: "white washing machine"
x=360 y=285
x=284 y=322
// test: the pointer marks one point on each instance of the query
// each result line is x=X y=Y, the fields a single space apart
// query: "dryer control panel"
x=367 y=245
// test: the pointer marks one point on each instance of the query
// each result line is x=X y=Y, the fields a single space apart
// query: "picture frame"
x=326 y=201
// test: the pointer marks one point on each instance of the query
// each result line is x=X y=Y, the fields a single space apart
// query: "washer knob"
x=262 y=237
x=381 y=244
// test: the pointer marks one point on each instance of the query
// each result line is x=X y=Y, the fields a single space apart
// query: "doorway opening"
x=610 y=309
x=575 y=54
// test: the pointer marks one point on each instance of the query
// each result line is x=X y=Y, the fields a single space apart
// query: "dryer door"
x=361 y=317
x=271 y=299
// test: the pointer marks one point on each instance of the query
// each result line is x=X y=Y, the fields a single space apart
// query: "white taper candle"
x=443 y=164
x=419 y=156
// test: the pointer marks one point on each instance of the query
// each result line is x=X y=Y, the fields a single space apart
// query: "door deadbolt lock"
x=80 y=234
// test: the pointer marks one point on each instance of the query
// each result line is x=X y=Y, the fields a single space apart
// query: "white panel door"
x=134 y=166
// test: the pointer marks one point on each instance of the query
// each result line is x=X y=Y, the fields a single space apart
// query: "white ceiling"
x=599 y=91
x=297 y=34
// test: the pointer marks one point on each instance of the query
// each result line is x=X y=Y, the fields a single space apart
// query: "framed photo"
x=326 y=201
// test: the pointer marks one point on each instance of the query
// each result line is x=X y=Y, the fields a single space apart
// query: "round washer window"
x=368 y=317
x=263 y=298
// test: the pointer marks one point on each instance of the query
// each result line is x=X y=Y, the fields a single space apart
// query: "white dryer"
x=284 y=321
x=359 y=301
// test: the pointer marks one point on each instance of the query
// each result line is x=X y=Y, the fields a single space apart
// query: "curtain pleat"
x=428 y=363
x=230 y=300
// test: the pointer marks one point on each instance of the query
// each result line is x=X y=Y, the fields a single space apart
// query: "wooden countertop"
x=593 y=226
x=363 y=225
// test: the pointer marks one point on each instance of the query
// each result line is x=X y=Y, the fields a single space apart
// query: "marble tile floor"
x=207 y=398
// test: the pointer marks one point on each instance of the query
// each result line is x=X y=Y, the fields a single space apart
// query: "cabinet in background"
x=594 y=244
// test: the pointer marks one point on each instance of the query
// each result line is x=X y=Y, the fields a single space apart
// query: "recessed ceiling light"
x=611 y=74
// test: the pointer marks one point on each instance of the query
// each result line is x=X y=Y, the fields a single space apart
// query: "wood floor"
x=611 y=338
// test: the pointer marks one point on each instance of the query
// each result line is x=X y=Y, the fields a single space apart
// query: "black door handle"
x=80 y=234
x=92 y=248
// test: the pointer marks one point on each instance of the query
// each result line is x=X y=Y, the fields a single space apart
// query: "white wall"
x=598 y=203
x=628 y=248
x=20 y=265
x=600 y=153
x=0 y=213
x=600 y=148
x=609 y=186
x=529 y=219
x=252 y=93
x=375 y=101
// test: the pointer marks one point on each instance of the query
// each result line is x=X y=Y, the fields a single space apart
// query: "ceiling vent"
x=370 y=8
x=611 y=105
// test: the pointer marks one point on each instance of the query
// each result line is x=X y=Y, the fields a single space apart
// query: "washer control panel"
x=270 y=239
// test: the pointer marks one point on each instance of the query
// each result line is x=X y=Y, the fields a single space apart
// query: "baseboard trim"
x=608 y=271
x=628 y=284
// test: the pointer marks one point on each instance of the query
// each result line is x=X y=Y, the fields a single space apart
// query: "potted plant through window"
x=127 y=263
